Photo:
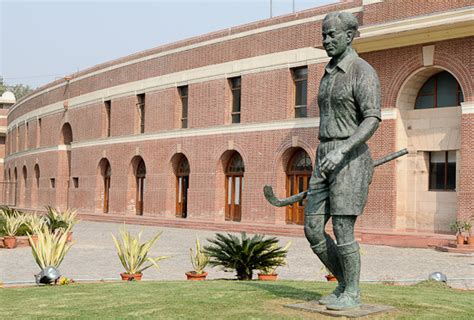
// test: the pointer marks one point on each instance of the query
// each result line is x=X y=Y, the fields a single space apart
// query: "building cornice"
x=289 y=124
x=418 y=30
x=279 y=60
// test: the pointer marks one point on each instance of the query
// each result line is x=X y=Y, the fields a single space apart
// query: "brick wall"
x=267 y=96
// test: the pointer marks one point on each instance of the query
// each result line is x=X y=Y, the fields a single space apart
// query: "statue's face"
x=335 y=38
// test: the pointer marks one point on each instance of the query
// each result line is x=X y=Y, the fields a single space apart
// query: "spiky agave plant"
x=12 y=223
x=34 y=223
x=199 y=259
x=54 y=219
x=50 y=248
x=6 y=211
x=244 y=254
x=133 y=254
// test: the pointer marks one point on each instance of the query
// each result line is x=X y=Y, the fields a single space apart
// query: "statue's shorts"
x=345 y=190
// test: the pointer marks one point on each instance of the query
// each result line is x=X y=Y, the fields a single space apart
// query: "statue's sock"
x=327 y=252
x=350 y=261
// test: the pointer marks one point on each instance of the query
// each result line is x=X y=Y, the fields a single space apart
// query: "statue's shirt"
x=348 y=93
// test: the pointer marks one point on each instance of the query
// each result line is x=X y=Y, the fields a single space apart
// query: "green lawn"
x=221 y=300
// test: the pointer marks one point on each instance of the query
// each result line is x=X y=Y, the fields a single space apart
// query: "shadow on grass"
x=284 y=291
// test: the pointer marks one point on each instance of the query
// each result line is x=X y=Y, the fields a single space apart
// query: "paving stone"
x=93 y=256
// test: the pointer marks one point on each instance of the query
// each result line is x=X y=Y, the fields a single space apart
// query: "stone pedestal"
x=363 y=311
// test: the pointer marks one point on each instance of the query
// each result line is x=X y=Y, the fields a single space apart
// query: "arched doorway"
x=64 y=166
x=298 y=173
x=234 y=185
x=140 y=175
x=106 y=173
x=182 y=185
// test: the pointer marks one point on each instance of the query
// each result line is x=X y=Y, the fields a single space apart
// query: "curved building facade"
x=194 y=129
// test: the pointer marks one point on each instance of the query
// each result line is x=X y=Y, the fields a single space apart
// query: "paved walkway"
x=93 y=256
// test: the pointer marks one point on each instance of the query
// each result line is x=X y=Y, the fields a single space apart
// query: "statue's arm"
x=363 y=133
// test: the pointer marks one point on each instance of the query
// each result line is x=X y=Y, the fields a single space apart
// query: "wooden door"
x=140 y=180
x=140 y=186
x=234 y=187
x=234 y=197
x=107 y=175
x=182 y=196
x=298 y=175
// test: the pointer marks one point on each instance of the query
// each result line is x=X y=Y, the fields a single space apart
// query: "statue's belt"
x=270 y=196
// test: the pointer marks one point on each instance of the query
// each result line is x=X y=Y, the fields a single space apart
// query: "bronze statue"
x=349 y=102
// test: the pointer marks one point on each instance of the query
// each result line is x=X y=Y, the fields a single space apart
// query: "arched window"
x=298 y=173
x=234 y=186
x=182 y=185
x=66 y=134
x=441 y=90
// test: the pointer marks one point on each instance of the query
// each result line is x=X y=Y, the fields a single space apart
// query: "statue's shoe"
x=331 y=298
x=345 y=301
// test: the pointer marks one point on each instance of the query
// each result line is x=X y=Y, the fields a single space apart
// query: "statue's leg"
x=324 y=247
x=348 y=249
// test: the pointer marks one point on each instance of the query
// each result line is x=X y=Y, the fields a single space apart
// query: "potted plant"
x=467 y=226
x=199 y=260
x=35 y=224
x=329 y=276
x=49 y=250
x=458 y=227
x=61 y=220
x=134 y=255
x=10 y=228
x=244 y=254
x=268 y=273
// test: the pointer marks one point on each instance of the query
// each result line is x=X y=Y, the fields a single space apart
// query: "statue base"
x=362 y=311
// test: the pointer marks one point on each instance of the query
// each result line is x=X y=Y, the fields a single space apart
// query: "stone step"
x=456 y=245
x=464 y=249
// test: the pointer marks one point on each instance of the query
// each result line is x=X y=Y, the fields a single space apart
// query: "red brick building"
x=194 y=129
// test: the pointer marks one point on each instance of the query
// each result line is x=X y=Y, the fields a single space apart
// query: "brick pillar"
x=466 y=164
x=62 y=178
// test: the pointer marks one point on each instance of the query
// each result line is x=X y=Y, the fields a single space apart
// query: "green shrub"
x=245 y=254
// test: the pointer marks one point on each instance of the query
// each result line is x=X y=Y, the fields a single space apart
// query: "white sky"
x=45 y=40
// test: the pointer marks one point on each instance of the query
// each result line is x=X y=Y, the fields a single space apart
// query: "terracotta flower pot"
x=470 y=240
x=34 y=238
x=460 y=239
x=130 y=277
x=9 y=242
x=330 y=277
x=192 y=275
x=267 y=277
x=69 y=236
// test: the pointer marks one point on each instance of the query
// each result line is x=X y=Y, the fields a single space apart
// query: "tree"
x=19 y=90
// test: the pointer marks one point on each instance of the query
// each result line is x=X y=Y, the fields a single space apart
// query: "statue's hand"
x=331 y=161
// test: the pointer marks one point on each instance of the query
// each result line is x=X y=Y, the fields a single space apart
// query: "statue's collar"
x=345 y=63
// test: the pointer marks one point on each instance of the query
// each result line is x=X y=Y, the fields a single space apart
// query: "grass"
x=221 y=300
